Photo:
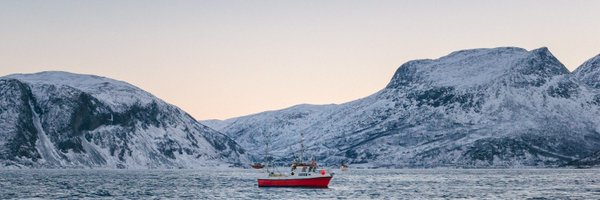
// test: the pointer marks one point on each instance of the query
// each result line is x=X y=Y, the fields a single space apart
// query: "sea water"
x=232 y=183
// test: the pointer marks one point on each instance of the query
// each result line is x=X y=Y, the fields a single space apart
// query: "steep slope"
x=500 y=107
x=589 y=74
x=59 y=119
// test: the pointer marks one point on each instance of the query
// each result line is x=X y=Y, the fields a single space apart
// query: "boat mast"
x=267 y=162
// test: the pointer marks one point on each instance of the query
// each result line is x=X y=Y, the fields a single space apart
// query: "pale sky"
x=222 y=59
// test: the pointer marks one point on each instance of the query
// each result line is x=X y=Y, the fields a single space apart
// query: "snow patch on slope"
x=44 y=145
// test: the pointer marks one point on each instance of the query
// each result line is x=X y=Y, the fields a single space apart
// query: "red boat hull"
x=316 y=182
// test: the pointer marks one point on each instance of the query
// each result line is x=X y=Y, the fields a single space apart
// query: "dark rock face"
x=19 y=133
x=501 y=107
x=406 y=74
x=589 y=161
x=47 y=121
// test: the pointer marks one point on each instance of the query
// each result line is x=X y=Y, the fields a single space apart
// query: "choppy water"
x=355 y=184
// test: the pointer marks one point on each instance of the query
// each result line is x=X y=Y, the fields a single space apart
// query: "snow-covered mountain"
x=60 y=119
x=500 y=107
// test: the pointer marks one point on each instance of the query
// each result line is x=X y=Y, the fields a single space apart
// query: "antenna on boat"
x=302 y=147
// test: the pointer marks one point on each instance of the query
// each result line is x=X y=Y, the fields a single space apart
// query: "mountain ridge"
x=72 y=120
x=510 y=114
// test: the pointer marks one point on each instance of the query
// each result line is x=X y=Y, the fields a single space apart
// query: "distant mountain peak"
x=543 y=62
x=474 y=67
x=63 y=77
x=117 y=94
x=479 y=51
x=589 y=72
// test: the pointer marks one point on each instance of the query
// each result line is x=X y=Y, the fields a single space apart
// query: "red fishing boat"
x=302 y=175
